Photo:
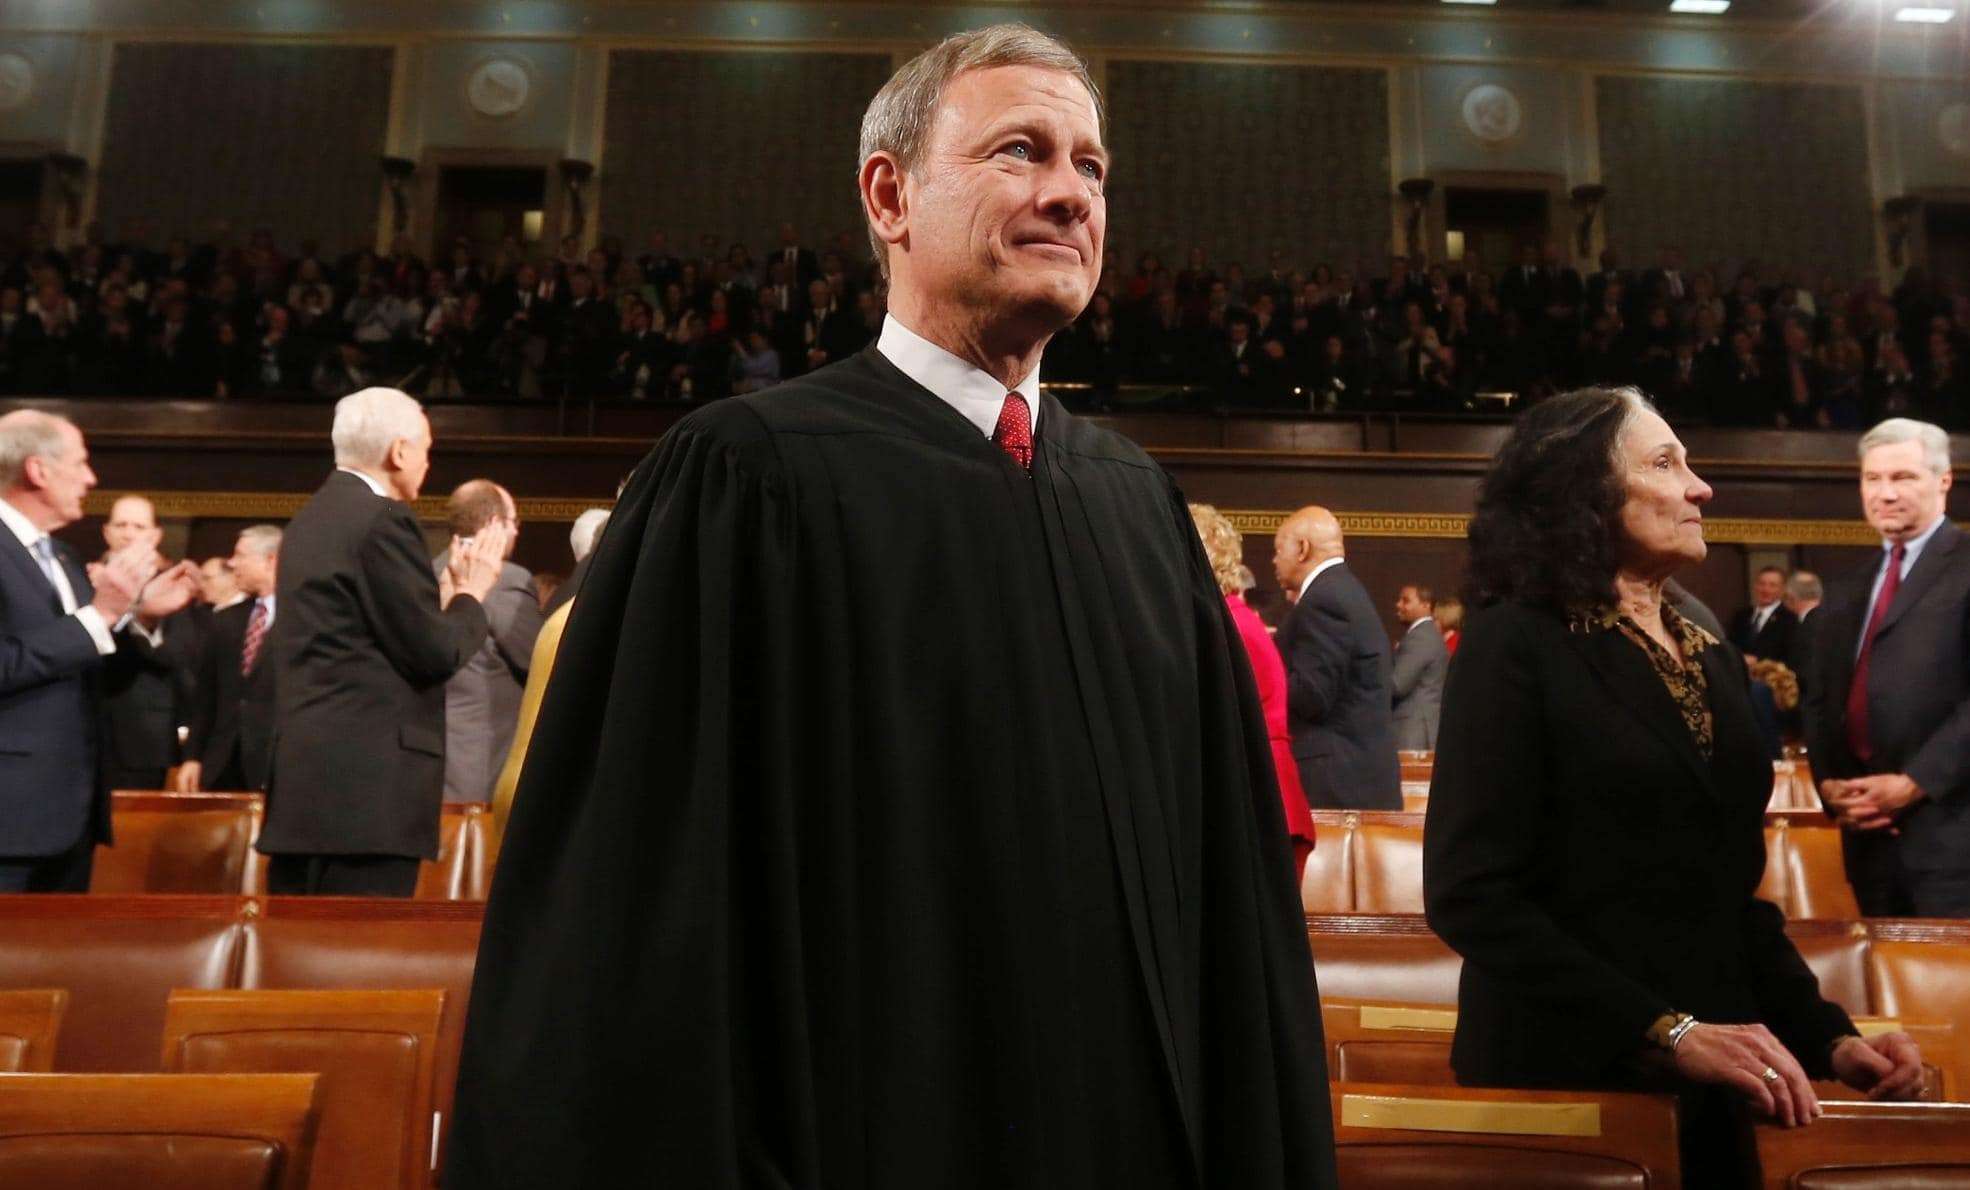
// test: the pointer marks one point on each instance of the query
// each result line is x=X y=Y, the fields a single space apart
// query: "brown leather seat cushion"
x=282 y=952
x=127 y=1162
x=176 y=851
x=1815 y=876
x=1375 y=1060
x=118 y=972
x=1388 y=868
x=1327 y=884
x=1397 y=1166
x=1416 y=968
x=1885 y=1177
x=1838 y=955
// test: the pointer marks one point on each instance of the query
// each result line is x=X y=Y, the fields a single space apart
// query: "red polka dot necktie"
x=1014 y=433
x=1858 y=737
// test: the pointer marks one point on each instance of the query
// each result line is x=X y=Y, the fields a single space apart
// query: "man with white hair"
x=587 y=530
x=364 y=642
x=61 y=627
x=802 y=887
x=1888 y=709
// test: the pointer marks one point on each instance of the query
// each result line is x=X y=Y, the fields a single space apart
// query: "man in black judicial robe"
x=805 y=888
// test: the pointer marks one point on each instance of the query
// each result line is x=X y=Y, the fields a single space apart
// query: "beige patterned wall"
x=732 y=144
x=199 y=136
x=1246 y=160
x=1736 y=170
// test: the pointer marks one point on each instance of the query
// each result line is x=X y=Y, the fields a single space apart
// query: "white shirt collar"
x=1416 y=623
x=17 y=521
x=1914 y=544
x=961 y=385
x=1319 y=570
x=369 y=480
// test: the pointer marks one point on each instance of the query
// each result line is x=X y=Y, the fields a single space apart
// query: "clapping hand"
x=476 y=561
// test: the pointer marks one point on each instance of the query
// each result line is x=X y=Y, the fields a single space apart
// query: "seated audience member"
x=1338 y=704
x=1450 y=618
x=755 y=365
x=229 y=736
x=1225 y=547
x=1595 y=825
x=482 y=700
x=1417 y=669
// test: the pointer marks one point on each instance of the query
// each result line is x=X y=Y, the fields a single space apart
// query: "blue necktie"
x=44 y=553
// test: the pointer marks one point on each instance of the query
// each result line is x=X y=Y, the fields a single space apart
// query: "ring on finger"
x=1768 y=1074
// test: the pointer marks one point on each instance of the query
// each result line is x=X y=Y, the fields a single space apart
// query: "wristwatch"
x=1668 y=1030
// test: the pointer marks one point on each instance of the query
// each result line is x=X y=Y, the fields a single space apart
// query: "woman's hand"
x=1887 y=1066
x=1739 y=1056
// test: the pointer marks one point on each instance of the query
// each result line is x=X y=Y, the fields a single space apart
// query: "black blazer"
x=51 y=781
x=1340 y=701
x=360 y=655
x=232 y=714
x=1773 y=642
x=1592 y=868
x=143 y=692
x=1918 y=706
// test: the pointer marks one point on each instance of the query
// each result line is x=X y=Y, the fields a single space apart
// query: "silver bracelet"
x=1680 y=1031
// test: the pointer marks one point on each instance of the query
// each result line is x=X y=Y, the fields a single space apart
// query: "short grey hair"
x=26 y=434
x=261 y=539
x=587 y=530
x=1804 y=586
x=368 y=422
x=898 y=119
x=1897 y=430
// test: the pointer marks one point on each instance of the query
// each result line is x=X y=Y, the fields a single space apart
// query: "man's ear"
x=884 y=201
x=393 y=459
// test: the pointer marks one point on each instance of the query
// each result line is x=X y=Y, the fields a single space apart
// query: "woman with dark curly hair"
x=1594 y=842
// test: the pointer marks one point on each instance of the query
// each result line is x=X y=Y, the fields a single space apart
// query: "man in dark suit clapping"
x=1888 y=709
x=1339 y=681
x=366 y=638
x=60 y=627
x=1765 y=629
x=231 y=724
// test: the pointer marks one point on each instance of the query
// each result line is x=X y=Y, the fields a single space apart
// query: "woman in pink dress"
x=1225 y=547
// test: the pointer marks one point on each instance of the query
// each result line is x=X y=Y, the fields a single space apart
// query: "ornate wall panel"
x=1732 y=171
x=1248 y=160
x=282 y=135
x=731 y=144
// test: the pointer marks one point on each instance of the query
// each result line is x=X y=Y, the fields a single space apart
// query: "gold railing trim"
x=1471 y=1115
x=280 y=506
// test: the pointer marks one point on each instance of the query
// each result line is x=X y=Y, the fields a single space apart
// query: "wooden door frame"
x=432 y=163
x=1559 y=203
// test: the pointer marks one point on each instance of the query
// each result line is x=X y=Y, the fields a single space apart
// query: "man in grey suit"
x=1338 y=702
x=482 y=700
x=1418 y=671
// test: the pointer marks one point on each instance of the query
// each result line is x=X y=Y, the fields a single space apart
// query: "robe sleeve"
x=637 y=1000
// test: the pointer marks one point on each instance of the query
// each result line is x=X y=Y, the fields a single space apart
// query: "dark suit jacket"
x=1594 y=870
x=1339 y=705
x=232 y=714
x=1918 y=705
x=51 y=785
x=144 y=692
x=1774 y=640
x=361 y=654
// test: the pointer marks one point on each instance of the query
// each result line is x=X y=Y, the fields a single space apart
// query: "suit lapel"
x=1621 y=665
x=1923 y=575
x=17 y=554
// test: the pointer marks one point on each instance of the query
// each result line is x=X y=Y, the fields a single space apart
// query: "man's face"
x=131 y=519
x=512 y=520
x=1288 y=554
x=1767 y=588
x=1409 y=606
x=66 y=478
x=252 y=570
x=215 y=581
x=1005 y=210
x=1899 y=494
x=413 y=459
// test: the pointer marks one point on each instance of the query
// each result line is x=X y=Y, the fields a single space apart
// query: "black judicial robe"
x=894 y=818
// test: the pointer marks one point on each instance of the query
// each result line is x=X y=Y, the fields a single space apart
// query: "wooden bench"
x=1870 y=1146
x=30 y=1021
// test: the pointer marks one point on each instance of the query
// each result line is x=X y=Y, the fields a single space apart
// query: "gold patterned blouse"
x=1688 y=688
